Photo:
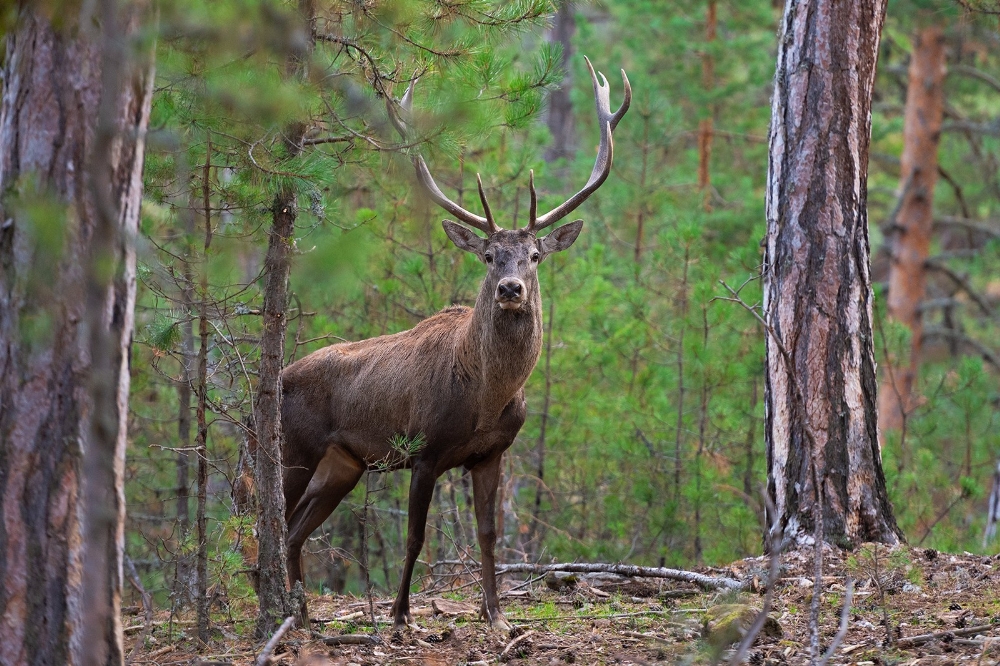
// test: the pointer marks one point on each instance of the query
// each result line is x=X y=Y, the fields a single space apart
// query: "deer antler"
x=484 y=224
x=602 y=167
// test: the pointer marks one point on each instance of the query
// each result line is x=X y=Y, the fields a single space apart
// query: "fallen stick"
x=352 y=639
x=514 y=643
x=615 y=616
x=914 y=641
x=654 y=637
x=630 y=570
x=265 y=656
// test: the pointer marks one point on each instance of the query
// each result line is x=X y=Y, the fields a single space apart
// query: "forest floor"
x=608 y=620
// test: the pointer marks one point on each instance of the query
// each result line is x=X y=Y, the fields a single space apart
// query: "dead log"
x=701 y=580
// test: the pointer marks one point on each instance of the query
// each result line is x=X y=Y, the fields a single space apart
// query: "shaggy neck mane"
x=501 y=346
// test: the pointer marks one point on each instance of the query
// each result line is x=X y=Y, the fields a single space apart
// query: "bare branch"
x=962 y=282
x=265 y=656
x=974 y=73
x=979 y=226
x=988 y=354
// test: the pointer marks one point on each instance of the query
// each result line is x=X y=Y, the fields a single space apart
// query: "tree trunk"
x=560 y=119
x=705 y=127
x=911 y=231
x=820 y=392
x=272 y=586
x=201 y=441
x=72 y=123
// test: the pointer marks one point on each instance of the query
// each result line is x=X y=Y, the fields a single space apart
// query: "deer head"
x=512 y=256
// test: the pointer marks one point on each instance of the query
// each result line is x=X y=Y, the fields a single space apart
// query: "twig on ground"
x=352 y=639
x=507 y=651
x=616 y=616
x=701 y=580
x=265 y=656
x=914 y=641
x=636 y=634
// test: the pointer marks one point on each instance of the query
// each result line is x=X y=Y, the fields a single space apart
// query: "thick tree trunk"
x=72 y=123
x=820 y=392
x=272 y=573
x=911 y=233
x=560 y=116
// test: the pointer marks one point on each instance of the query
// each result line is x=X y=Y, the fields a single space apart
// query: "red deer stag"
x=455 y=381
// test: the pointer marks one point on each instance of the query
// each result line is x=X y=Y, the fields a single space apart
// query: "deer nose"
x=510 y=289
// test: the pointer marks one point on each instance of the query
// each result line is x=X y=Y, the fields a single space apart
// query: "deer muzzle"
x=511 y=293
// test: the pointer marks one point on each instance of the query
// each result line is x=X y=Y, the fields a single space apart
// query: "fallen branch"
x=265 y=656
x=514 y=643
x=352 y=639
x=914 y=641
x=615 y=616
x=652 y=637
x=630 y=570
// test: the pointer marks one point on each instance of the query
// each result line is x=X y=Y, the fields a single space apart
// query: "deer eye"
x=534 y=256
x=488 y=257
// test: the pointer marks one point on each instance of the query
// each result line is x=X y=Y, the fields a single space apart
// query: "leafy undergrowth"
x=615 y=621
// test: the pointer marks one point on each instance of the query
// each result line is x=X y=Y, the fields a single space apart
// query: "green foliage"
x=653 y=438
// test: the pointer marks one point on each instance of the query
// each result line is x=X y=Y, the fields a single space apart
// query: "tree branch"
x=631 y=570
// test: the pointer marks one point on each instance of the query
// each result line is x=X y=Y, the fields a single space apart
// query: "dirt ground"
x=609 y=620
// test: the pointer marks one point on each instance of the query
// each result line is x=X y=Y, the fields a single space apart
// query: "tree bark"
x=272 y=572
x=73 y=117
x=201 y=410
x=560 y=120
x=911 y=231
x=705 y=127
x=820 y=392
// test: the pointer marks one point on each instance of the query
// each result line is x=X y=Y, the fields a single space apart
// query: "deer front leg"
x=421 y=491
x=485 y=478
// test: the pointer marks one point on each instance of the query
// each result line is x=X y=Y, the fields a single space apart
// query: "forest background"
x=644 y=440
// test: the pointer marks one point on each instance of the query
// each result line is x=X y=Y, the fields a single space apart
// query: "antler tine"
x=424 y=177
x=605 y=154
x=486 y=225
x=533 y=209
x=486 y=206
x=406 y=106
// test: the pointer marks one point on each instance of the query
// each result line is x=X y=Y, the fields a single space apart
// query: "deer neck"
x=500 y=349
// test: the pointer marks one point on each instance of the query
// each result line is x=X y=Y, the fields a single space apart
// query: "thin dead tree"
x=272 y=574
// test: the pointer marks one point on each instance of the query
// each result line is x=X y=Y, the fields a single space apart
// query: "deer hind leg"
x=421 y=491
x=485 y=479
x=337 y=473
x=294 y=482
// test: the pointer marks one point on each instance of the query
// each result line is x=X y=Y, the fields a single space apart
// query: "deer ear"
x=560 y=238
x=464 y=238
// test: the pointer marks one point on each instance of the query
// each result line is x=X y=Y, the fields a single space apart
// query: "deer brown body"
x=455 y=382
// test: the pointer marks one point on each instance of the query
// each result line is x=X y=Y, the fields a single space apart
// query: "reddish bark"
x=705 y=126
x=911 y=232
